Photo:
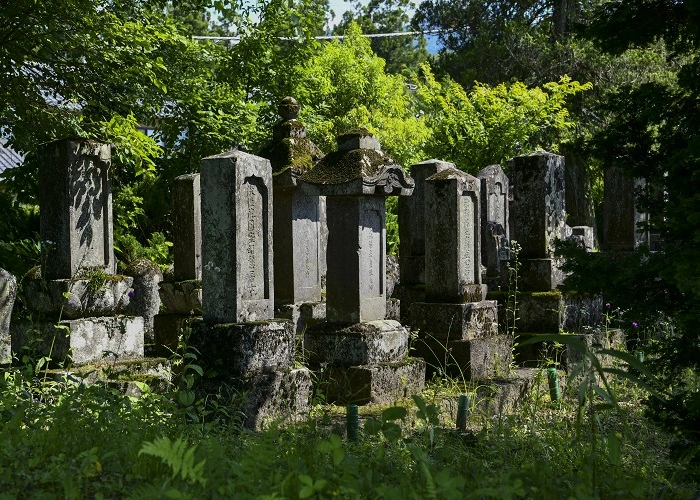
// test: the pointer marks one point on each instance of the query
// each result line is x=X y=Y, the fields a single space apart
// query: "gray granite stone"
x=181 y=297
x=466 y=359
x=495 y=231
x=237 y=260
x=620 y=215
x=303 y=315
x=8 y=294
x=75 y=201
x=244 y=349
x=412 y=223
x=187 y=227
x=146 y=298
x=381 y=383
x=446 y=321
x=355 y=280
x=282 y=396
x=356 y=344
x=538 y=209
x=85 y=340
x=78 y=298
x=583 y=235
x=452 y=238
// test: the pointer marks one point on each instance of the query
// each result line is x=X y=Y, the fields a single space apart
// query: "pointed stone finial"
x=288 y=108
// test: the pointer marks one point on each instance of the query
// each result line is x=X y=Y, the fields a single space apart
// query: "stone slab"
x=75 y=201
x=8 y=294
x=408 y=295
x=181 y=297
x=455 y=321
x=356 y=344
x=167 y=329
x=145 y=301
x=237 y=255
x=381 y=383
x=244 y=349
x=538 y=208
x=302 y=316
x=540 y=275
x=465 y=359
x=85 y=340
x=78 y=298
x=282 y=396
x=187 y=227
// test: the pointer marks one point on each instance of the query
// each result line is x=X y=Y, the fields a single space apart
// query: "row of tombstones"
x=227 y=222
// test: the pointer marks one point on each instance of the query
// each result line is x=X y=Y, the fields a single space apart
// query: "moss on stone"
x=354 y=132
x=141 y=267
x=299 y=154
x=34 y=273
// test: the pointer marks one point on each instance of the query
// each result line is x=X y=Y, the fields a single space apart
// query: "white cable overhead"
x=330 y=37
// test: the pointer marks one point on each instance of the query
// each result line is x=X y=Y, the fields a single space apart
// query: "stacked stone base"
x=83 y=340
x=364 y=362
x=256 y=360
x=476 y=359
x=303 y=315
x=465 y=321
x=551 y=311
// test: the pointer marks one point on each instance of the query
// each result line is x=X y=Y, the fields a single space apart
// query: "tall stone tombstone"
x=539 y=202
x=365 y=354
x=8 y=294
x=75 y=201
x=452 y=238
x=495 y=225
x=620 y=214
x=237 y=262
x=239 y=337
x=455 y=315
x=297 y=216
x=412 y=224
x=77 y=297
x=187 y=227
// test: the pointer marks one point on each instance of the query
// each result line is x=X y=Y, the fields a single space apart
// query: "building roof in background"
x=9 y=158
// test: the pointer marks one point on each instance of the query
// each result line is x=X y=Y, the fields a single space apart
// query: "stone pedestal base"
x=280 y=396
x=244 y=349
x=380 y=383
x=78 y=298
x=85 y=340
x=408 y=295
x=552 y=311
x=303 y=315
x=466 y=359
x=356 y=343
x=166 y=330
x=455 y=321
x=537 y=275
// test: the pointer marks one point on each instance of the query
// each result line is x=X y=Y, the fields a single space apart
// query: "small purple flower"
x=607 y=305
x=635 y=324
x=131 y=294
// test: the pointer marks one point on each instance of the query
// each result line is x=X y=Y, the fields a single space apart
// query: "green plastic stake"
x=553 y=380
x=352 y=422
x=639 y=355
x=462 y=412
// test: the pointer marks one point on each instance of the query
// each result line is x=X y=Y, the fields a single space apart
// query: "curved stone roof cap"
x=359 y=166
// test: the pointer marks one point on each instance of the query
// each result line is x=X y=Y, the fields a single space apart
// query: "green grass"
x=62 y=441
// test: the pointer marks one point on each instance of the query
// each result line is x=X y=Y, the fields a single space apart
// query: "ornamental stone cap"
x=358 y=167
x=290 y=152
x=464 y=181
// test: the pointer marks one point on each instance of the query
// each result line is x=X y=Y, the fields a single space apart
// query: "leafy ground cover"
x=73 y=441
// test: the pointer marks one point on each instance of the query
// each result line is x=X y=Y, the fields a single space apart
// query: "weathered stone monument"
x=76 y=295
x=495 y=226
x=239 y=338
x=297 y=224
x=455 y=318
x=412 y=237
x=364 y=353
x=182 y=296
x=8 y=294
x=621 y=218
x=145 y=301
